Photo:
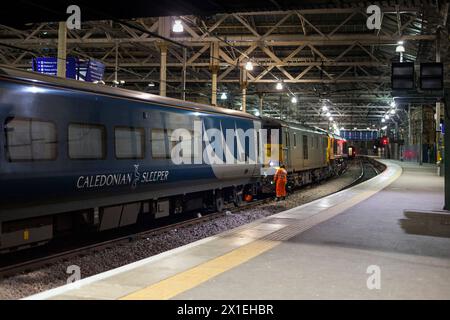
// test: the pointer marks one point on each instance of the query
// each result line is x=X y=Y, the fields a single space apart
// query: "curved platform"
x=354 y=244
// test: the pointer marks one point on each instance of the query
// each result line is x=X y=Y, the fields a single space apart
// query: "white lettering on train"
x=120 y=179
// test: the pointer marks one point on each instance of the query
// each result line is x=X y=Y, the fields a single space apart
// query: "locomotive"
x=78 y=155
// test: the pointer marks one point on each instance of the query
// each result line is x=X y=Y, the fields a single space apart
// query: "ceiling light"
x=393 y=104
x=328 y=114
x=223 y=96
x=249 y=66
x=122 y=81
x=330 y=118
x=151 y=84
x=324 y=108
x=257 y=113
x=382 y=120
x=392 y=111
x=294 y=100
x=355 y=128
x=342 y=128
x=384 y=128
x=400 y=49
x=386 y=117
x=279 y=86
x=177 y=26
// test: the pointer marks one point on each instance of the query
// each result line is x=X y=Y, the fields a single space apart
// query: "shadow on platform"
x=435 y=224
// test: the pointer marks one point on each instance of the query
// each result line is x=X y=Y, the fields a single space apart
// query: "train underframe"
x=21 y=234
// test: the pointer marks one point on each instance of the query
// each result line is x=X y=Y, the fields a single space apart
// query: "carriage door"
x=286 y=149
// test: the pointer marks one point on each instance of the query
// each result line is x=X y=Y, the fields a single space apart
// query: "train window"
x=129 y=142
x=87 y=141
x=159 y=150
x=305 y=147
x=30 y=140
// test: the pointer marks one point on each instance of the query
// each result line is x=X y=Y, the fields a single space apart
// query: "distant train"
x=80 y=156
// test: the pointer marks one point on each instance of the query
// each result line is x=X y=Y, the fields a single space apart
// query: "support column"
x=214 y=67
x=409 y=126
x=183 y=77
x=214 y=88
x=244 y=99
x=438 y=104
x=243 y=83
x=163 y=70
x=446 y=155
x=116 y=65
x=261 y=96
x=164 y=31
x=62 y=49
x=421 y=137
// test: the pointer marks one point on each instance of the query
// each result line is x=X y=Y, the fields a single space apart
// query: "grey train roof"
x=38 y=78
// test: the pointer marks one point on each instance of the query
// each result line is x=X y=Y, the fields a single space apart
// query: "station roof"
x=321 y=51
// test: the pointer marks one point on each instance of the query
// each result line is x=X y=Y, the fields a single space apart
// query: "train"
x=83 y=156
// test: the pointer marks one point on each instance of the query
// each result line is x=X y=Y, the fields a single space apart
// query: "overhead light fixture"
x=151 y=84
x=382 y=120
x=328 y=114
x=177 y=26
x=257 y=113
x=330 y=118
x=324 y=108
x=294 y=100
x=122 y=81
x=392 y=111
x=384 y=128
x=368 y=128
x=393 y=104
x=400 y=49
x=355 y=128
x=223 y=96
x=279 y=86
x=249 y=66
x=386 y=117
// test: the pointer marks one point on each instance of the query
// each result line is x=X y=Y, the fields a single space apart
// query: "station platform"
x=355 y=244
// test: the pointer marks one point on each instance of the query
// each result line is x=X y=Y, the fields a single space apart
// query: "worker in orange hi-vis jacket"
x=280 y=179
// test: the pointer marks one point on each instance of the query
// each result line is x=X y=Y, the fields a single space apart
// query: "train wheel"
x=219 y=203
x=237 y=198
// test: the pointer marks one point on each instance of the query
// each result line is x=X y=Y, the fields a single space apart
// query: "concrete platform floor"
x=331 y=260
x=331 y=248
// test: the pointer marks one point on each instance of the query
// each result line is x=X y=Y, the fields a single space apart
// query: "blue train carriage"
x=302 y=149
x=83 y=156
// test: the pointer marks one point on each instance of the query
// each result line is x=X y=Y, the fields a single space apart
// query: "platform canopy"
x=321 y=52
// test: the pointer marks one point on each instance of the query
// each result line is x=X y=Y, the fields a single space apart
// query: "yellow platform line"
x=191 y=278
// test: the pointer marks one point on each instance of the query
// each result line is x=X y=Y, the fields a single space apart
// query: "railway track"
x=28 y=265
